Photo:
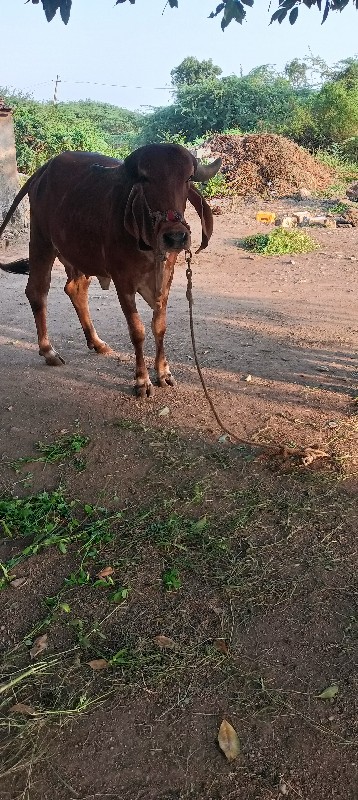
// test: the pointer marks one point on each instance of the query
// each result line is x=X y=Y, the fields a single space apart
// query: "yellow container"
x=266 y=216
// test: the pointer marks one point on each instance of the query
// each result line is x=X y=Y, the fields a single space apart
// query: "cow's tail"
x=20 y=196
x=19 y=267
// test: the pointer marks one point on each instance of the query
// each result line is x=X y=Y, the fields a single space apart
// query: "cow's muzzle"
x=172 y=231
x=176 y=240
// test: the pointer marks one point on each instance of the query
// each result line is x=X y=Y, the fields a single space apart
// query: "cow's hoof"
x=166 y=380
x=103 y=349
x=53 y=359
x=144 y=389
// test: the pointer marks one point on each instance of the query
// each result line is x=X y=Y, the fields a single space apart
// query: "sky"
x=106 y=47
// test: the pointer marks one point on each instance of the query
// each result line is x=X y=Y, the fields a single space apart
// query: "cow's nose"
x=175 y=240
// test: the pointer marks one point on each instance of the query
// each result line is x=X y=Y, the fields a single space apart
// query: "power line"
x=120 y=86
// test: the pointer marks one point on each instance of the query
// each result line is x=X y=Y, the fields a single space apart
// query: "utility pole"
x=57 y=81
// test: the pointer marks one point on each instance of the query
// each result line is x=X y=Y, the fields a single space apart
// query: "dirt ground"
x=273 y=577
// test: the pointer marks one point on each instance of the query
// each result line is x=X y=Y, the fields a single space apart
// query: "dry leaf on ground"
x=105 y=572
x=228 y=740
x=98 y=663
x=17 y=582
x=39 y=645
x=165 y=642
x=329 y=693
x=22 y=708
x=221 y=646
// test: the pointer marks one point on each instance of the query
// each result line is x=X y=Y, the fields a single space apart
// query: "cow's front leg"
x=143 y=384
x=159 y=325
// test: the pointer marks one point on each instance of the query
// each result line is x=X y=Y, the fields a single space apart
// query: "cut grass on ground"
x=279 y=242
x=195 y=591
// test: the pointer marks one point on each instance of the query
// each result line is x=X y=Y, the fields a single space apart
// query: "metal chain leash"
x=306 y=454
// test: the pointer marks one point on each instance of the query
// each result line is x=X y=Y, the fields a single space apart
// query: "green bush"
x=215 y=187
x=43 y=131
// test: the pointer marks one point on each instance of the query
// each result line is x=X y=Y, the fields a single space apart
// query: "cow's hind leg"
x=143 y=384
x=41 y=258
x=77 y=291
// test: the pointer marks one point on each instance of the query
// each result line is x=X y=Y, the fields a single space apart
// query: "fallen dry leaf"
x=17 y=582
x=310 y=454
x=329 y=693
x=228 y=740
x=98 y=663
x=221 y=646
x=105 y=572
x=22 y=708
x=165 y=642
x=39 y=645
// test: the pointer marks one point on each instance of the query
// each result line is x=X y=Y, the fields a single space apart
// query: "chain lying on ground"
x=305 y=454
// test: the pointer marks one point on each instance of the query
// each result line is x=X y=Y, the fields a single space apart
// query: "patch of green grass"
x=48 y=519
x=171 y=580
x=338 y=208
x=279 y=242
x=66 y=447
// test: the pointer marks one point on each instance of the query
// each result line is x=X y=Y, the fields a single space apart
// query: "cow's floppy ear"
x=131 y=164
x=203 y=209
x=138 y=219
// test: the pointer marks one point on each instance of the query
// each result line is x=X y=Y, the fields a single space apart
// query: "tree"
x=296 y=73
x=228 y=9
x=248 y=104
x=335 y=113
x=347 y=72
x=192 y=71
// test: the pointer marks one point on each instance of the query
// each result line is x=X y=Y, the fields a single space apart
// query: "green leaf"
x=200 y=524
x=278 y=16
x=329 y=693
x=119 y=595
x=293 y=16
x=65 y=607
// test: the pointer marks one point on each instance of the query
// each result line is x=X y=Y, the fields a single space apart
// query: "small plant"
x=339 y=208
x=171 y=580
x=215 y=187
x=279 y=242
x=119 y=595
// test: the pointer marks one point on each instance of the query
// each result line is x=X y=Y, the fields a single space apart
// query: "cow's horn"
x=204 y=172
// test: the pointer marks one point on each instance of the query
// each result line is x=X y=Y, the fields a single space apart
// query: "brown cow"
x=114 y=220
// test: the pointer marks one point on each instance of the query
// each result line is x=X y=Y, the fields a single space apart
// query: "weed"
x=119 y=595
x=279 y=242
x=129 y=425
x=338 y=208
x=215 y=187
x=46 y=520
x=64 y=448
x=171 y=580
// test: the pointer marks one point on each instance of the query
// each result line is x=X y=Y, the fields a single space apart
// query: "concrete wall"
x=9 y=180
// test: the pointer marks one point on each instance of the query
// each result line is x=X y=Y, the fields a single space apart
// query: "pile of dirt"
x=268 y=165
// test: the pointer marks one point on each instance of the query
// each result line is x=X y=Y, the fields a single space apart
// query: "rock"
x=304 y=194
x=352 y=192
x=289 y=222
x=351 y=216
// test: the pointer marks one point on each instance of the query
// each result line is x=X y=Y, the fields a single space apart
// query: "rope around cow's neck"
x=306 y=454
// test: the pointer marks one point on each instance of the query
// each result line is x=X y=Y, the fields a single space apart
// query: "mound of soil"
x=268 y=165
